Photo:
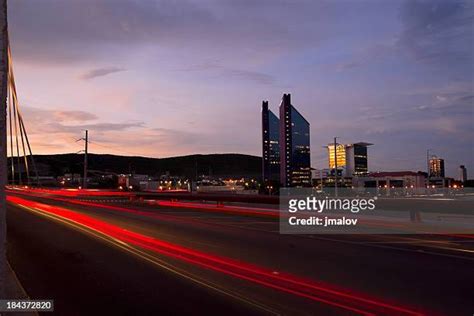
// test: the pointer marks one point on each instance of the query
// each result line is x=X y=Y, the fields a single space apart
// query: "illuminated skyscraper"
x=352 y=159
x=270 y=145
x=295 y=161
x=341 y=156
x=436 y=167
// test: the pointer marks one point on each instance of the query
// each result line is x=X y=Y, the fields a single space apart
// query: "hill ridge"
x=219 y=164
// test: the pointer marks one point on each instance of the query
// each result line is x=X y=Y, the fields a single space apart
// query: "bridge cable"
x=12 y=161
x=19 y=119
x=19 y=124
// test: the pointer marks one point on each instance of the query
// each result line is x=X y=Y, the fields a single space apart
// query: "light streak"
x=284 y=282
x=222 y=209
x=69 y=192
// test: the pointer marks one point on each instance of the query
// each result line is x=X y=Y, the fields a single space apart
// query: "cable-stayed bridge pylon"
x=21 y=155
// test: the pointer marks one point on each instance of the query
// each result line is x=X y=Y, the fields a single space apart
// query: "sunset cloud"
x=100 y=72
x=163 y=78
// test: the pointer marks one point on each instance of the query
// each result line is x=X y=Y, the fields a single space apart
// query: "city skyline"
x=199 y=64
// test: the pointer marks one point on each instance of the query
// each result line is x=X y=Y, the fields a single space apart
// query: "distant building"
x=319 y=176
x=462 y=173
x=270 y=145
x=392 y=179
x=320 y=173
x=131 y=181
x=325 y=178
x=295 y=161
x=352 y=159
x=436 y=167
x=69 y=179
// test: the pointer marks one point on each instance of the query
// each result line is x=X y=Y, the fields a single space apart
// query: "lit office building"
x=270 y=145
x=295 y=161
x=340 y=154
x=436 y=167
x=358 y=160
x=352 y=159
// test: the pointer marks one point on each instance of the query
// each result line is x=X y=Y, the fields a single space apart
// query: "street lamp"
x=428 y=161
x=428 y=166
x=335 y=166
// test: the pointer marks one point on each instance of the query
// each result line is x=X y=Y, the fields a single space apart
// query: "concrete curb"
x=14 y=290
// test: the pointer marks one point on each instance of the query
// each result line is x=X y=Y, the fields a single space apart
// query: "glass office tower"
x=270 y=146
x=295 y=160
x=361 y=165
x=352 y=159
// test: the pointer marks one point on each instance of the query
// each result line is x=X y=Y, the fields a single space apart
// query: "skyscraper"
x=341 y=156
x=295 y=161
x=270 y=145
x=352 y=159
x=436 y=167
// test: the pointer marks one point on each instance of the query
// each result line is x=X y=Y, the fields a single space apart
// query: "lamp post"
x=86 y=143
x=428 y=162
x=335 y=166
x=428 y=167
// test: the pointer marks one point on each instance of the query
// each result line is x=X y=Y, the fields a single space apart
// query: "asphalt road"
x=88 y=272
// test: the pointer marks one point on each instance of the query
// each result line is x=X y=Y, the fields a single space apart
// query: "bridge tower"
x=3 y=140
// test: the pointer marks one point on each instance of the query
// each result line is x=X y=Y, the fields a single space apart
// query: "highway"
x=120 y=257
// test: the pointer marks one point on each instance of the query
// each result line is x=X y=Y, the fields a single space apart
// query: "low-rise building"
x=131 y=181
x=391 y=179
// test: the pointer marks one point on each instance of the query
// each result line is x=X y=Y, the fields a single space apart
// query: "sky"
x=165 y=78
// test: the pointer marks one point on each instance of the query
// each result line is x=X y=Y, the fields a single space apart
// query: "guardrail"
x=243 y=198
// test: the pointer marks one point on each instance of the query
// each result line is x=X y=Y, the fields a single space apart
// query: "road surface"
x=131 y=258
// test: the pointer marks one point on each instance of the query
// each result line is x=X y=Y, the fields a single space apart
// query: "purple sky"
x=165 y=78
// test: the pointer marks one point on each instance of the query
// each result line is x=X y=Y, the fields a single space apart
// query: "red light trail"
x=222 y=209
x=69 y=192
x=233 y=210
x=400 y=227
x=284 y=282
